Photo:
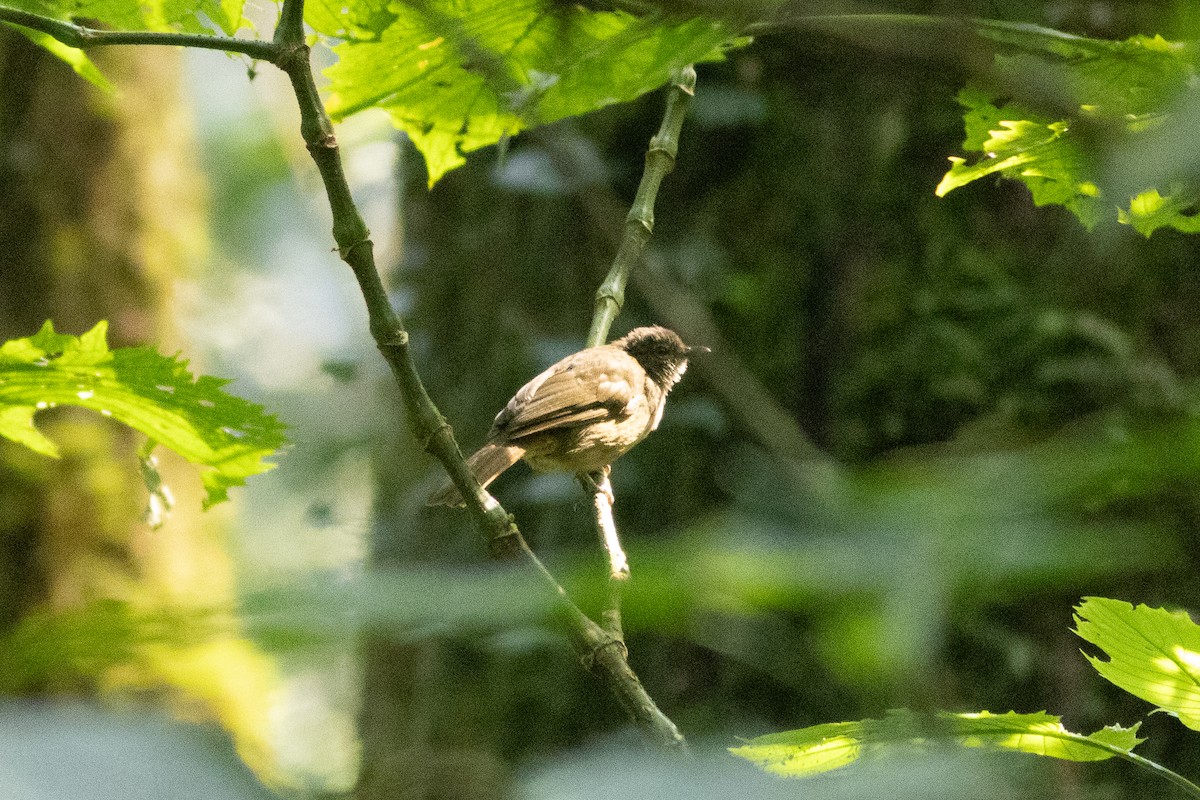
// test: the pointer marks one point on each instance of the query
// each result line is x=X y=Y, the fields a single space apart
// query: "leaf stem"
x=1158 y=769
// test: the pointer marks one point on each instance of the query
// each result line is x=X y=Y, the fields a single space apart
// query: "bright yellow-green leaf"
x=147 y=391
x=1152 y=653
x=72 y=56
x=822 y=748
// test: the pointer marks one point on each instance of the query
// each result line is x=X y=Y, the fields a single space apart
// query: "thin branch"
x=83 y=38
x=618 y=563
x=639 y=223
x=602 y=500
x=610 y=297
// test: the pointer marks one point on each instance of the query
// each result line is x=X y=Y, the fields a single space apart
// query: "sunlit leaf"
x=75 y=58
x=1024 y=146
x=821 y=748
x=1054 y=101
x=145 y=390
x=183 y=16
x=1152 y=653
x=459 y=76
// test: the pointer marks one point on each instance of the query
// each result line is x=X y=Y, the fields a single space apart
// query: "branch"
x=600 y=651
x=618 y=565
x=639 y=223
x=83 y=38
x=610 y=297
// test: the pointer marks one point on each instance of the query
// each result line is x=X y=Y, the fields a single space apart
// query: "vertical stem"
x=639 y=223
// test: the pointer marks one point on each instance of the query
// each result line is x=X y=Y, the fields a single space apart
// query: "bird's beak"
x=698 y=348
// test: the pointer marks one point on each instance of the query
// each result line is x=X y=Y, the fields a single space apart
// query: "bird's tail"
x=487 y=463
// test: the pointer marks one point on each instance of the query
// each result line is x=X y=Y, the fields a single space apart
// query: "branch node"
x=346 y=252
x=588 y=659
x=440 y=429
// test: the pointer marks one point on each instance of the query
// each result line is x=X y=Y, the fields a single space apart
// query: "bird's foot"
x=598 y=483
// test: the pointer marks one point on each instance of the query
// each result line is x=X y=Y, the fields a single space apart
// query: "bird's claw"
x=598 y=483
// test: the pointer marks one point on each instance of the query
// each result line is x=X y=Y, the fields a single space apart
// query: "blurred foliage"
x=74 y=749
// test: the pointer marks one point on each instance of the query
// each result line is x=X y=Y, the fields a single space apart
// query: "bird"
x=583 y=412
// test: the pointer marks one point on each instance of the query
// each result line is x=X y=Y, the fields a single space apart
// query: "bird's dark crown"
x=660 y=352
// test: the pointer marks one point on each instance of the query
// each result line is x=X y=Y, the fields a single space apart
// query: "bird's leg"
x=597 y=481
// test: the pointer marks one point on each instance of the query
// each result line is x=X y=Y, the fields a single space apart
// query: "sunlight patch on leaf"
x=143 y=389
x=1152 y=653
x=459 y=76
x=822 y=748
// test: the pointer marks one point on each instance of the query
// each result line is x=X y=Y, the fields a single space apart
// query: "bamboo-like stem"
x=610 y=297
x=639 y=223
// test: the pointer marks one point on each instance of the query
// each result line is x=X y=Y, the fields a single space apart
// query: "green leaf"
x=459 y=75
x=188 y=16
x=1153 y=653
x=145 y=390
x=73 y=57
x=1057 y=103
x=1021 y=145
x=822 y=748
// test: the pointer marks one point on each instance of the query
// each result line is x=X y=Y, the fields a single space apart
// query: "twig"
x=610 y=297
x=639 y=223
x=618 y=564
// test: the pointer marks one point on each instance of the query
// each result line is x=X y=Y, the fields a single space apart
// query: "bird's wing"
x=581 y=388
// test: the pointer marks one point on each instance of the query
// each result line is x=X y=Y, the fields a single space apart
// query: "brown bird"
x=584 y=412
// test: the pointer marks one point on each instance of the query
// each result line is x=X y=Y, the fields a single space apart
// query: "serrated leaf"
x=73 y=57
x=1152 y=653
x=191 y=16
x=145 y=390
x=459 y=75
x=822 y=748
x=1020 y=145
x=1060 y=91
